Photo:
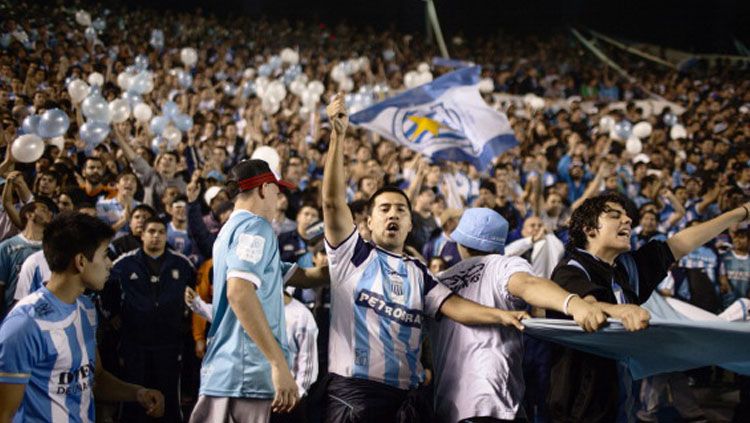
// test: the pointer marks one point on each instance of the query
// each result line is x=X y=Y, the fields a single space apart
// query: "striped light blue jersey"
x=50 y=347
x=302 y=338
x=111 y=210
x=234 y=366
x=13 y=252
x=378 y=303
x=34 y=274
x=736 y=268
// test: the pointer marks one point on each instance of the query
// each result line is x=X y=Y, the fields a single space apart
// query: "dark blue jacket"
x=151 y=307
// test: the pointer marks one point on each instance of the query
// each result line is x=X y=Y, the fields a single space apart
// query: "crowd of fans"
x=167 y=203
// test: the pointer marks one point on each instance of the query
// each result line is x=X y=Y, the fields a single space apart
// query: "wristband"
x=747 y=212
x=566 y=303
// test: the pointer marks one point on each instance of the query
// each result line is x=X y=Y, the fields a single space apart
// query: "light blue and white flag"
x=446 y=119
x=682 y=342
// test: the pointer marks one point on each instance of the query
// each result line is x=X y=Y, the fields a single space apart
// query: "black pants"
x=298 y=415
x=742 y=411
x=351 y=400
x=154 y=368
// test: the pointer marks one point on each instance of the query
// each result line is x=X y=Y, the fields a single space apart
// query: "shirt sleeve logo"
x=250 y=247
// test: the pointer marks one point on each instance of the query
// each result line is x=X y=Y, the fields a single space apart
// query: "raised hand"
x=336 y=111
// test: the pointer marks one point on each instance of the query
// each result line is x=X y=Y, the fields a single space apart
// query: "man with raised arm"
x=379 y=299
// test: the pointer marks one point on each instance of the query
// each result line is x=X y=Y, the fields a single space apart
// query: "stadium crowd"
x=166 y=196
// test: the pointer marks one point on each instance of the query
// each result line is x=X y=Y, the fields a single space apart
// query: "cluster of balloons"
x=360 y=100
x=273 y=91
x=169 y=126
x=50 y=125
x=184 y=78
x=419 y=77
x=342 y=72
x=93 y=28
x=626 y=131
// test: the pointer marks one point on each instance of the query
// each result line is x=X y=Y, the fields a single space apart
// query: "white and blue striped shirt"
x=50 y=346
x=378 y=303
x=34 y=274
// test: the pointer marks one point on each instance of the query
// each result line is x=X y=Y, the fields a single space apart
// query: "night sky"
x=700 y=26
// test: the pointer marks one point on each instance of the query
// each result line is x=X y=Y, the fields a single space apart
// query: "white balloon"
x=411 y=79
x=58 y=142
x=316 y=87
x=338 y=73
x=606 y=123
x=261 y=86
x=346 y=85
x=309 y=98
x=276 y=91
x=642 y=129
x=633 y=145
x=83 y=18
x=27 y=148
x=270 y=156
x=677 y=131
x=189 y=56
x=364 y=62
x=423 y=67
x=297 y=87
x=172 y=134
x=537 y=103
x=424 y=77
x=486 y=85
x=120 y=110
x=270 y=106
x=123 y=80
x=353 y=66
x=96 y=79
x=78 y=90
x=142 y=112
x=290 y=56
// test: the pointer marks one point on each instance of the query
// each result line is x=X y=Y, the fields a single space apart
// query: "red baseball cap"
x=249 y=174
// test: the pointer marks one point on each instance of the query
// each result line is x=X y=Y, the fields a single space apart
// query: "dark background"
x=698 y=26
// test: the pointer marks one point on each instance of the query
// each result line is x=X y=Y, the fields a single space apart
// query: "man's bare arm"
x=336 y=214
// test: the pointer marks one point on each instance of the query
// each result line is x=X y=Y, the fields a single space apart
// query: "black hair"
x=587 y=215
x=26 y=209
x=144 y=207
x=70 y=234
x=93 y=158
x=154 y=219
x=489 y=186
x=127 y=173
x=358 y=206
x=384 y=190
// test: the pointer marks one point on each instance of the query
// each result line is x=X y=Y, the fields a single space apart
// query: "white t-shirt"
x=478 y=370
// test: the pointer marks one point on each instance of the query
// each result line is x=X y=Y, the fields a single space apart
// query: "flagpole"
x=432 y=15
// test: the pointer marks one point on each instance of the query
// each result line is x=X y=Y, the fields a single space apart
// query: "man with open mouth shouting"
x=379 y=298
x=599 y=265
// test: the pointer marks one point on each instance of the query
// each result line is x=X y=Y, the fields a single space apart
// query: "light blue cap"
x=482 y=229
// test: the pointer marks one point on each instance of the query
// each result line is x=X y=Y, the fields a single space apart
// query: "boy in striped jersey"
x=48 y=357
x=379 y=299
